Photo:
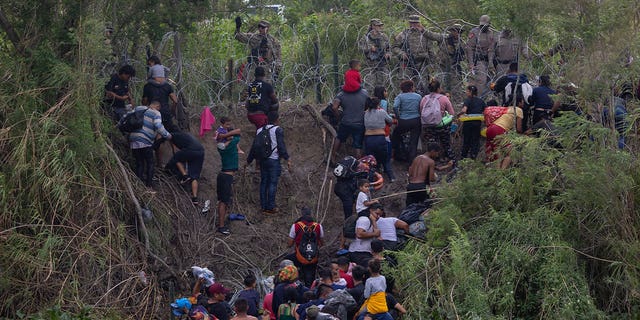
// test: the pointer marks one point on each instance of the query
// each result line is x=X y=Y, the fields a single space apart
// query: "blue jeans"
x=270 y=170
x=377 y=316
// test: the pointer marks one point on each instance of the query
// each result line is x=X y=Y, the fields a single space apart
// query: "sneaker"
x=185 y=180
x=236 y=216
x=224 y=230
x=207 y=207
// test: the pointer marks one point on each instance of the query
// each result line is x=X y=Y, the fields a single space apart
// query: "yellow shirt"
x=507 y=121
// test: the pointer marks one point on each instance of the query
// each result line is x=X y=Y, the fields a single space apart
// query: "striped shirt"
x=144 y=137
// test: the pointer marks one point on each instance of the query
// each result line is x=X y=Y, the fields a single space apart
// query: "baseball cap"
x=217 y=288
x=414 y=18
x=264 y=23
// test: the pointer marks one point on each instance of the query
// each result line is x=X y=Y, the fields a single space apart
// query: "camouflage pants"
x=501 y=69
x=480 y=77
x=419 y=74
x=440 y=135
x=375 y=74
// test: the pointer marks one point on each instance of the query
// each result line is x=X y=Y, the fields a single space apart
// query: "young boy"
x=225 y=132
x=364 y=198
x=241 y=307
x=250 y=294
x=352 y=79
x=375 y=288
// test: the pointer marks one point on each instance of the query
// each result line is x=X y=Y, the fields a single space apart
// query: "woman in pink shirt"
x=440 y=133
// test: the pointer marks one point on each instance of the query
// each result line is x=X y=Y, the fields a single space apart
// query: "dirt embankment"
x=259 y=243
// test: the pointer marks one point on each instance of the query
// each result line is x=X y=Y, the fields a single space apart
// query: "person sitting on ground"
x=141 y=141
x=287 y=310
x=296 y=232
x=366 y=231
x=388 y=234
x=422 y=173
x=225 y=132
x=216 y=300
x=511 y=119
x=375 y=288
x=364 y=200
x=352 y=78
x=250 y=294
x=241 y=306
x=187 y=161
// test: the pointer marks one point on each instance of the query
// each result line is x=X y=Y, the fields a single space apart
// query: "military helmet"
x=376 y=22
x=485 y=19
x=414 y=18
x=264 y=24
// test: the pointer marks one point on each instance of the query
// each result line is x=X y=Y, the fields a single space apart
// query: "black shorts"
x=224 y=191
x=193 y=160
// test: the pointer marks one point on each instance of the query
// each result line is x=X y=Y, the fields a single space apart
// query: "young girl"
x=471 y=129
x=287 y=310
x=364 y=197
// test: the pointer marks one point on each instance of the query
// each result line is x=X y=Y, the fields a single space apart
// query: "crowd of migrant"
x=422 y=117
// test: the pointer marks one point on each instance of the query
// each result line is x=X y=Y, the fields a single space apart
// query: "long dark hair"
x=372 y=103
x=378 y=92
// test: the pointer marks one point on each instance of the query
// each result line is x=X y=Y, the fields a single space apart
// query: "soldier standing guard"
x=480 y=53
x=264 y=51
x=375 y=46
x=413 y=47
x=454 y=48
x=508 y=50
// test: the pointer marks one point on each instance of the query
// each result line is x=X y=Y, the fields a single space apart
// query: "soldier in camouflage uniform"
x=509 y=48
x=480 y=53
x=414 y=48
x=375 y=46
x=454 y=50
x=264 y=51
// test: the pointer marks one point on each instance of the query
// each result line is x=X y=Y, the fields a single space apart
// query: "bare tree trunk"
x=11 y=33
x=182 y=114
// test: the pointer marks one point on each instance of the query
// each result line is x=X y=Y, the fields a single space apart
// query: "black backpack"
x=346 y=167
x=132 y=121
x=349 y=227
x=261 y=147
x=307 y=250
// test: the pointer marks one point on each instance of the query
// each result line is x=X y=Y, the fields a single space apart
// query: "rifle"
x=411 y=62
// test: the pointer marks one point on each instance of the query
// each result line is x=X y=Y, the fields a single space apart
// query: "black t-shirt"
x=155 y=91
x=119 y=87
x=220 y=310
x=185 y=141
x=391 y=302
x=475 y=105
x=259 y=96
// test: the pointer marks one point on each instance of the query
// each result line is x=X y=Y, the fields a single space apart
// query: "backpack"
x=339 y=303
x=349 y=227
x=261 y=147
x=254 y=93
x=523 y=87
x=132 y=121
x=286 y=310
x=346 y=167
x=431 y=114
x=307 y=251
x=413 y=212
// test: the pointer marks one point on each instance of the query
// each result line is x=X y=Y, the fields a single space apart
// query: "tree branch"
x=11 y=33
